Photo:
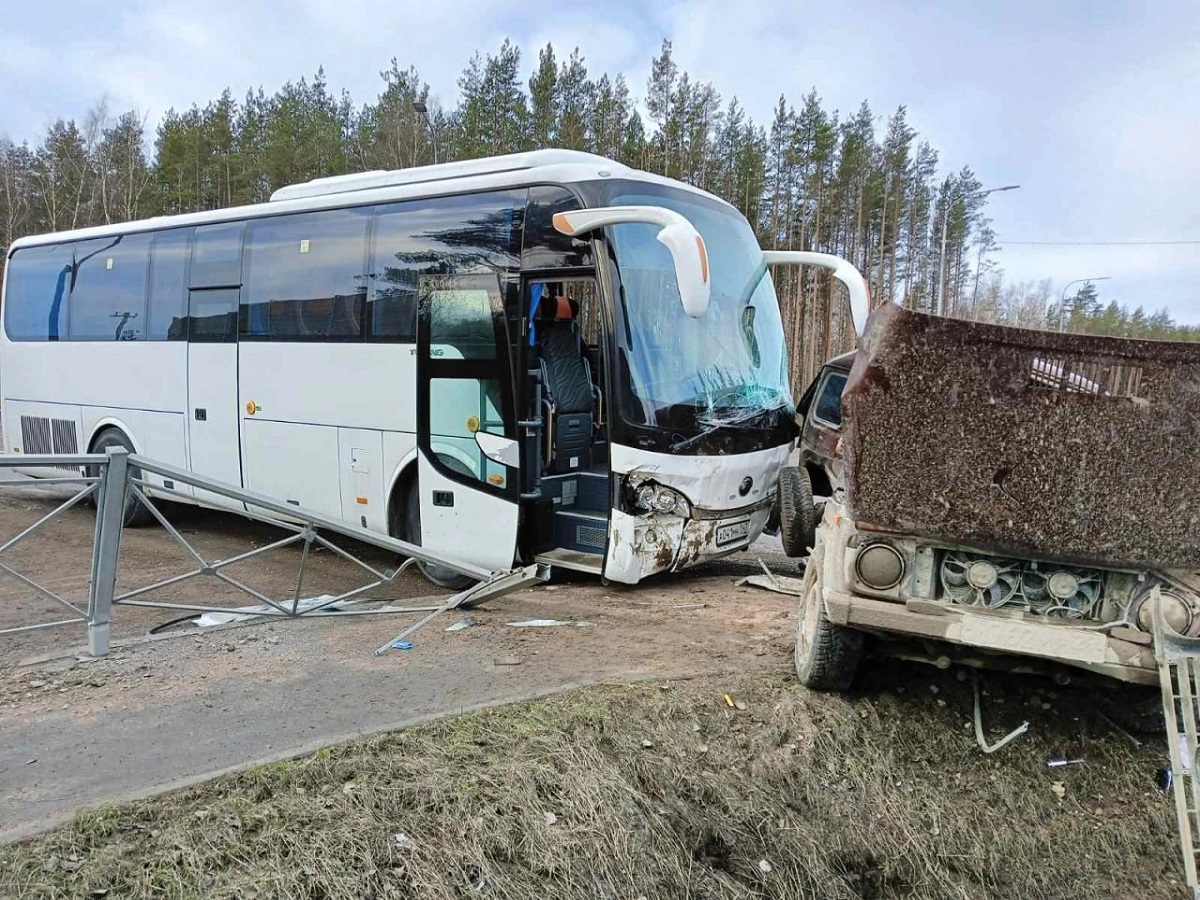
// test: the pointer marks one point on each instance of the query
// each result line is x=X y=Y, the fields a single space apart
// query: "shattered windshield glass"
x=728 y=368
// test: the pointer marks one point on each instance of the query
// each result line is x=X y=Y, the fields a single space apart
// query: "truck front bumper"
x=1122 y=653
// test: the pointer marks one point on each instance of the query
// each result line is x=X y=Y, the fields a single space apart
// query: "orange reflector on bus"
x=496 y=479
x=361 y=501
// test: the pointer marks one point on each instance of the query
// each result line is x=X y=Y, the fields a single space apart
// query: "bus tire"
x=410 y=531
x=827 y=655
x=136 y=514
x=797 y=515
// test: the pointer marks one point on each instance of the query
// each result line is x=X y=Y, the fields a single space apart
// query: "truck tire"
x=797 y=516
x=827 y=655
x=136 y=514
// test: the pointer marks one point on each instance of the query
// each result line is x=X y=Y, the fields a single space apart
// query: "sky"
x=1092 y=106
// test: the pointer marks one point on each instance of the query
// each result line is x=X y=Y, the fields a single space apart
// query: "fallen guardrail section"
x=113 y=477
x=1179 y=677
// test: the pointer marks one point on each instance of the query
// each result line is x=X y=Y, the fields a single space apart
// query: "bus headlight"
x=653 y=497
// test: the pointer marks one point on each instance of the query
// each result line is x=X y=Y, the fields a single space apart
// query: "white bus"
x=542 y=356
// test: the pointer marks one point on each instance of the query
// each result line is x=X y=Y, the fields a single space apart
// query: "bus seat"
x=569 y=392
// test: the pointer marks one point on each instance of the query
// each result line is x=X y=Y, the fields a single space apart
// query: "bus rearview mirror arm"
x=678 y=235
x=843 y=270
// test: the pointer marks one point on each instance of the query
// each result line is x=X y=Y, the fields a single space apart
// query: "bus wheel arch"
x=404 y=509
x=109 y=434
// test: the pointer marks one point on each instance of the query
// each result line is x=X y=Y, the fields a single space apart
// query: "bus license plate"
x=732 y=533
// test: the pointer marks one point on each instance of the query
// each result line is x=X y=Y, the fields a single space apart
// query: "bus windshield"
x=728 y=368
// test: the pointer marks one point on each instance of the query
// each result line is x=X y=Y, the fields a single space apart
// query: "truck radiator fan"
x=979 y=581
x=976 y=580
x=1069 y=593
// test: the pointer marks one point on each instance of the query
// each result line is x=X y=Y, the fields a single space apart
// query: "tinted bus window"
x=442 y=236
x=304 y=276
x=108 y=299
x=168 y=285
x=545 y=246
x=217 y=256
x=35 y=299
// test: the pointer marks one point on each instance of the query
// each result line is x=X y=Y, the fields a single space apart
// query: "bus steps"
x=1179 y=678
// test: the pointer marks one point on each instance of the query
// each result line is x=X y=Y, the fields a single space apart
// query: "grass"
x=883 y=794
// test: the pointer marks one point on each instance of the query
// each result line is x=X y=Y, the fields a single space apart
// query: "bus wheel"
x=797 y=515
x=827 y=655
x=136 y=514
x=410 y=531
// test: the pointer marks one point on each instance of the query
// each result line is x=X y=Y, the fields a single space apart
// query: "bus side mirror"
x=678 y=235
x=843 y=270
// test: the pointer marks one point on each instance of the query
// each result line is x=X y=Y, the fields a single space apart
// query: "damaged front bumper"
x=641 y=545
x=1119 y=652
x=728 y=502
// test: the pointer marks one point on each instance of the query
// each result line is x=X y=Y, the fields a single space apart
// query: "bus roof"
x=468 y=176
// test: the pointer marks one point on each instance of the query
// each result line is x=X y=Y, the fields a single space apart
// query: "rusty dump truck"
x=1009 y=498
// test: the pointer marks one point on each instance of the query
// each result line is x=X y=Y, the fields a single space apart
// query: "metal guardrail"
x=120 y=476
x=99 y=485
x=1179 y=678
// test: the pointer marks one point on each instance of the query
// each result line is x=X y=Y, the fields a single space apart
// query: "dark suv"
x=821 y=431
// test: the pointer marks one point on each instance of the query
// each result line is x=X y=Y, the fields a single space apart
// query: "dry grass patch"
x=799 y=795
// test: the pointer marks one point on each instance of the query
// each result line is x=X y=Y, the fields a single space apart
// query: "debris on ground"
x=979 y=736
x=545 y=623
x=780 y=584
x=460 y=625
x=402 y=645
x=507 y=661
x=245 y=613
x=403 y=841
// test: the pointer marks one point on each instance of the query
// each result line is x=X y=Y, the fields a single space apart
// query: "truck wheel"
x=797 y=517
x=827 y=655
x=136 y=514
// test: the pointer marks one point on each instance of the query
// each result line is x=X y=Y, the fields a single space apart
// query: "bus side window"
x=108 y=299
x=35 y=307
x=304 y=276
x=472 y=233
x=167 y=309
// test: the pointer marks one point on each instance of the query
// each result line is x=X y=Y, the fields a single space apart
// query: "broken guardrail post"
x=110 y=519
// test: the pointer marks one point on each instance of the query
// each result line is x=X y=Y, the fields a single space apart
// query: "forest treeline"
x=858 y=185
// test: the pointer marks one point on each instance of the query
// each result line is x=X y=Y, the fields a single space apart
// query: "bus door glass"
x=212 y=412
x=468 y=466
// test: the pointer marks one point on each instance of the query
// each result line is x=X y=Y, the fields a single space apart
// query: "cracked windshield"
x=728 y=367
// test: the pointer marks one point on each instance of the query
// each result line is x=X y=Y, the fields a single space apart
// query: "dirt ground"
x=189 y=702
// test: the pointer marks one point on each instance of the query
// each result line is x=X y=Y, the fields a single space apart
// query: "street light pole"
x=1062 y=306
x=953 y=201
x=422 y=110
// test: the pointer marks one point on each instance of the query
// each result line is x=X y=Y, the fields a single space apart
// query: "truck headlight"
x=659 y=499
x=879 y=566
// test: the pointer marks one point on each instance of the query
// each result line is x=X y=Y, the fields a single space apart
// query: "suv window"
x=828 y=408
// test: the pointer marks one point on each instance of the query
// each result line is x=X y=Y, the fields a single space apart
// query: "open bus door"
x=468 y=468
